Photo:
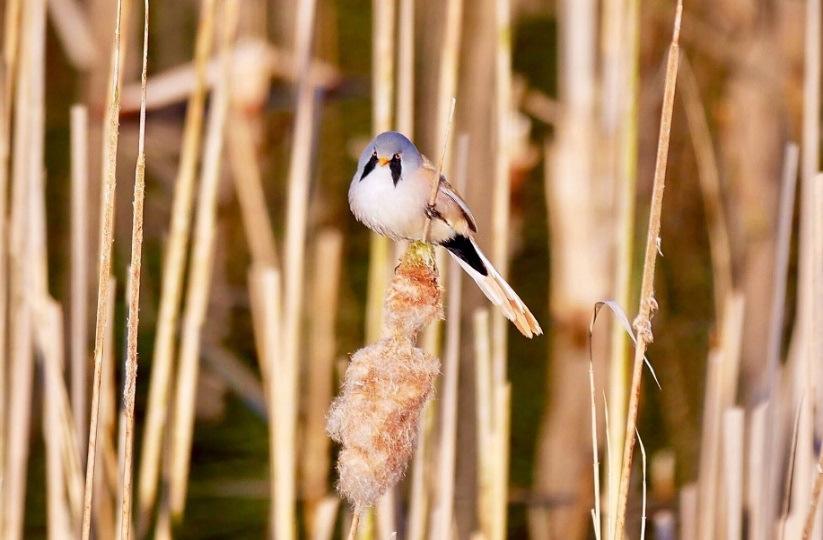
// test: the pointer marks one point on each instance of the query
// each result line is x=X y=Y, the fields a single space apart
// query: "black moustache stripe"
x=372 y=163
x=395 y=167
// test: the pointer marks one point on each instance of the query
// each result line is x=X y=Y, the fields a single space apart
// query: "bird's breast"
x=396 y=211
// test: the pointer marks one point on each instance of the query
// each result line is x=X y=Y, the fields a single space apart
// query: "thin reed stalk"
x=104 y=270
x=294 y=257
x=133 y=293
x=79 y=266
x=173 y=269
x=200 y=271
x=596 y=517
x=642 y=323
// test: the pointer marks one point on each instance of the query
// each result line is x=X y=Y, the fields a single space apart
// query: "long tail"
x=468 y=255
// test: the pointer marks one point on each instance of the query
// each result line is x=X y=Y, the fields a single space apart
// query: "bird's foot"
x=431 y=212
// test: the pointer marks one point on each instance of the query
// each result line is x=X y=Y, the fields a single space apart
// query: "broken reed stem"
x=642 y=323
x=173 y=269
x=200 y=270
x=294 y=258
x=130 y=385
x=79 y=266
x=106 y=242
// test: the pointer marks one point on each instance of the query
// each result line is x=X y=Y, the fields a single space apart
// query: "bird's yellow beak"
x=383 y=161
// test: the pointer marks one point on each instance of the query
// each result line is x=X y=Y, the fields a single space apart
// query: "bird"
x=390 y=194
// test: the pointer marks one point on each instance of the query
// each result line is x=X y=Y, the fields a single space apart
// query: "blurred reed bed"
x=253 y=285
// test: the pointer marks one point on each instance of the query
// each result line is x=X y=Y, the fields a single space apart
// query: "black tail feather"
x=463 y=248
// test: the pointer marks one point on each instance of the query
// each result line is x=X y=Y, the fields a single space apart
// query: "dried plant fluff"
x=387 y=383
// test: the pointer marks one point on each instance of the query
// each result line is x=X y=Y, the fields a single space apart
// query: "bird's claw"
x=431 y=212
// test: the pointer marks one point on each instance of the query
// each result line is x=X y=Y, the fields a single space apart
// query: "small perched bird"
x=390 y=194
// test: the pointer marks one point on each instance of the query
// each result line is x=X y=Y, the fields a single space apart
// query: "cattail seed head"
x=386 y=384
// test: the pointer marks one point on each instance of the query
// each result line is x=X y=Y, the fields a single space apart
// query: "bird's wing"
x=447 y=190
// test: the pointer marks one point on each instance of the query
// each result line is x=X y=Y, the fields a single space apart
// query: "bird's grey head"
x=389 y=149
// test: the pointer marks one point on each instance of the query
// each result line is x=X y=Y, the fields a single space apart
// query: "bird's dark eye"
x=396 y=168
x=370 y=165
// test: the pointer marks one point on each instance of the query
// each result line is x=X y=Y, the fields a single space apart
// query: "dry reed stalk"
x=50 y=339
x=249 y=188
x=325 y=516
x=74 y=32
x=733 y=422
x=764 y=514
x=105 y=484
x=789 y=476
x=383 y=22
x=500 y=465
x=483 y=412
x=443 y=510
x=405 y=69
x=320 y=370
x=811 y=520
x=24 y=271
x=709 y=176
x=625 y=39
x=380 y=263
x=9 y=73
x=173 y=269
x=642 y=323
x=386 y=385
x=419 y=490
x=200 y=272
x=105 y=256
x=643 y=502
x=133 y=293
x=596 y=517
x=688 y=512
x=501 y=186
x=267 y=289
x=447 y=74
x=79 y=266
x=756 y=473
x=721 y=377
x=294 y=257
